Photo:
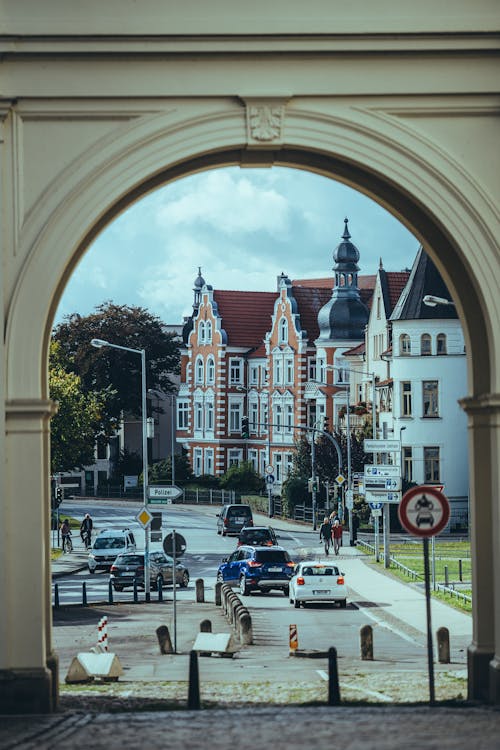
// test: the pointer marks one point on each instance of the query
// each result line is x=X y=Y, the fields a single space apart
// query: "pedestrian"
x=86 y=530
x=325 y=534
x=66 y=535
x=336 y=535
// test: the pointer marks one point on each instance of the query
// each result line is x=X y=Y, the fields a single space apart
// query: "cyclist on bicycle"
x=86 y=530
x=66 y=536
x=325 y=534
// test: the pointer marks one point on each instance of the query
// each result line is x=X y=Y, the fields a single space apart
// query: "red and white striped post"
x=102 y=633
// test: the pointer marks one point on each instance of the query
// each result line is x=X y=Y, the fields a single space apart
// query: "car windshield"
x=272 y=556
x=109 y=542
x=319 y=570
x=130 y=560
x=236 y=511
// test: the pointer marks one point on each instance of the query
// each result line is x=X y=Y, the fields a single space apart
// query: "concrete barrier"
x=86 y=667
x=200 y=590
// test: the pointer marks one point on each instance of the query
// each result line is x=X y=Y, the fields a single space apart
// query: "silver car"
x=130 y=566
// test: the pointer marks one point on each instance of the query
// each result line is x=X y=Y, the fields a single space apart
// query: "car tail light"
x=290 y=565
x=340 y=581
x=113 y=569
x=238 y=543
x=269 y=543
x=226 y=522
x=300 y=581
x=249 y=523
x=254 y=564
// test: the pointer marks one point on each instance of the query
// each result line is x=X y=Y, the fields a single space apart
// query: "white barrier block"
x=214 y=643
x=85 y=667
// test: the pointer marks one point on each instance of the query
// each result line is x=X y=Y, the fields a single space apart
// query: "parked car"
x=232 y=518
x=257 y=569
x=262 y=536
x=317 y=581
x=107 y=546
x=130 y=566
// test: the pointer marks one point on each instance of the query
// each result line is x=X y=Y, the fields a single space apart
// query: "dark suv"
x=130 y=566
x=232 y=518
x=257 y=569
x=257 y=536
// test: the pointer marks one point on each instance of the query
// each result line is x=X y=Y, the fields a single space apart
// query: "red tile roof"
x=396 y=282
x=246 y=316
x=359 y=349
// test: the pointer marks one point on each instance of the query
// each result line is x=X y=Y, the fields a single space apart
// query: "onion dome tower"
x=345 y=315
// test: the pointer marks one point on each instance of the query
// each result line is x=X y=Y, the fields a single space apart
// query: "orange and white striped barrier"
x=294 y=640
x=102 y=633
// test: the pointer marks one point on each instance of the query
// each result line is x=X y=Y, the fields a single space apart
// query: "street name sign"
x=424 y=511
x=383 y=483
x=381 y=446
x=382 y=497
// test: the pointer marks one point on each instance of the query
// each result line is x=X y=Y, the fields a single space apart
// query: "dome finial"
x=346 y=235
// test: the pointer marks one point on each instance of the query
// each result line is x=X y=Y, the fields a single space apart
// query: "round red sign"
x=424 y=511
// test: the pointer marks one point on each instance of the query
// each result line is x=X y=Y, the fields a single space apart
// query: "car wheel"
x=220 y=578
x=343 y=603
x=244 y=590
x=117 y=588
x=184 y=580
x=286 y=591
x=218 y=531
x=223 y=532
x=296 y=604
x=91 y=571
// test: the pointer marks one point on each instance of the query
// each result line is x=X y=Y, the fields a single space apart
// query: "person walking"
x=67 y=545
x=336 y=535
x=325 y=534
x=86 y=530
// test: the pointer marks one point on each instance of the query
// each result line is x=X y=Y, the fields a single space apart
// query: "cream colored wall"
x=85 y=135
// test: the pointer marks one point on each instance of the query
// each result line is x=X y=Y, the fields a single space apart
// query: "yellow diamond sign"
x=144 y=517
x=340 y=479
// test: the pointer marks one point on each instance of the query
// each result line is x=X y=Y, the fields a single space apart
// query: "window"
x=404 y=345
x=283 y=331
x=320 y=370
x=289 y=370
x=210 y=371
x=264 y=416
x=198 y=371
x=254 y=374
x=378 y=307
x=208 y=332
x=406 y=398
x=102 y=447
x=289 y=418
x=201 y=332
x=278 y=467
x=253 y=458
x=209 y=461
x=288 y=464
x=197 y=462
x=233 y=457
x=235 y=371
x=431 y=464
x=254 y=416
x=278 y=418
x=235 y=417
x=430 y=399
x=182 y=415
x=209 y=416
x=198 y=415
x=312 y=369
x=407 y=464
x=425 y=345
x=441 y=343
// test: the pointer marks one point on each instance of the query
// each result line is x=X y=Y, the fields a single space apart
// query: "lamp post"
x=99 y=344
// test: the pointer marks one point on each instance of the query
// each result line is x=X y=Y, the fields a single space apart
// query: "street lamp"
x=99 y=344
x=431 y=301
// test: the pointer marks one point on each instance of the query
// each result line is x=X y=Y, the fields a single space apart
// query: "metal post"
x=349 y=472
x=172 y=427
x=433 y=562
x=270 y=509
x=147 y=582
x=313 y=477
x=430 y=659
x=174 y=584
x=375 y=457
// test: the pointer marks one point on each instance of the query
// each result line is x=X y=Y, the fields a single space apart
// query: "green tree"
x=161 y=471
x=129 y=463
x=112 y=371
x=294 y=493
x=74 y=428
x=243 y=478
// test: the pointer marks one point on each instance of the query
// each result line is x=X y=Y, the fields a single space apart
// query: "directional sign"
x=381 y=446
x=383 y=497
x=424 y=511
x=163 y=495
x=383 y=483
x=144 y=517
x=375 y=506
x=382 y=470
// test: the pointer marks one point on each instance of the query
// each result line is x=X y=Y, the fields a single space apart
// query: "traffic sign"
x=270 y=479
x=383 y=483
x=375 y=506
x=174 y=540
x=340 y=479
x=349 y=499
x=382 y=470
x=144 y=517
x=381 y=446
x=383 y=497
x=163 y=495
x=269 y=469
x=424 y=511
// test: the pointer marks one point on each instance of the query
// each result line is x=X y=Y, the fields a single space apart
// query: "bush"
x=294 y=493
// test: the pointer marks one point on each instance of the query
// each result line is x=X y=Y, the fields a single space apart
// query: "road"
x=318 y=626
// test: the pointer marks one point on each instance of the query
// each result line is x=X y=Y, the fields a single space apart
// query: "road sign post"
x=174 y=544
x=424 y=512
x=163 y=495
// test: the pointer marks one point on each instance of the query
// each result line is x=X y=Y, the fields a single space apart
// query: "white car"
x=317 y=581
x=107 y=546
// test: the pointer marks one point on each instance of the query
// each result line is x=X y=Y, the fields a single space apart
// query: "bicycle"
x=67 y=543
x=87 y=539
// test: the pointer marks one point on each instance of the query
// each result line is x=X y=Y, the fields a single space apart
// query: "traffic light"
x=58 y=495
x=326 y=424
x=245 y=430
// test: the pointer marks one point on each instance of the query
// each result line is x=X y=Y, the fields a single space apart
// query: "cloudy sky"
x=243 y=227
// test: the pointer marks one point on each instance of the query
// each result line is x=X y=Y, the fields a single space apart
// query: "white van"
x=107 y=546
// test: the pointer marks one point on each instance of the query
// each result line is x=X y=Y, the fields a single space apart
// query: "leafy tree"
x=117 y=372
x=74 y=428
x=129 y=463
x=294 y=493
x=161 y=471
x=243 y=478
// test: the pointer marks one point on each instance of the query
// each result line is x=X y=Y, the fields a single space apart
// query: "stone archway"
x=394 y=148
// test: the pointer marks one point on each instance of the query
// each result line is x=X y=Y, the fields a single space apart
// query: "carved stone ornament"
x=265 y=119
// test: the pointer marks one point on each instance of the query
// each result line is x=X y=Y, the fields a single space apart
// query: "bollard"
x=246 y=632
x=136 y=598
x=205 y=626
x=333 y=678
x=460 y=572
x=446 y=577
x=84 y=594
x=366 y=639
x=102 y=633
x=443 y=643
x=160 y=589
x=200 y=590
x=110 y=592
x=218 y=595
x=163 y=635
x=194 y=683
x=293 y=639
x=56 y=596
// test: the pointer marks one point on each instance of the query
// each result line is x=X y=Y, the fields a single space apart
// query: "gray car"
x=232 y=518
x=130 y=566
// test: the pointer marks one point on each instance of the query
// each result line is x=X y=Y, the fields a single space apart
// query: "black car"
x=130 y=566
x=232 y=518
x=257 y=569
x=261 y=536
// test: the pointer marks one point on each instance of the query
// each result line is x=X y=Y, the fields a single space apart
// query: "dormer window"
x=404 y=345
x=283 y=331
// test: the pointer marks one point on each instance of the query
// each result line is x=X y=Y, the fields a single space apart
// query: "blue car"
x=257 y=569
